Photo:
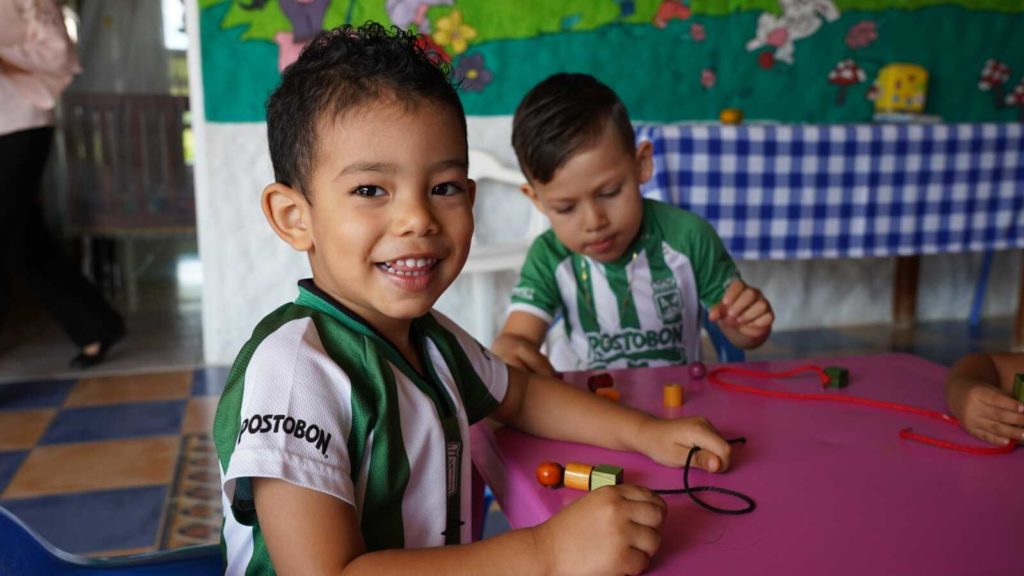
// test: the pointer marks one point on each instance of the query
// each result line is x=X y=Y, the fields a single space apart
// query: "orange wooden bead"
x=577 y=475
x=672 y=395
x=609 y=393
x=549 y=474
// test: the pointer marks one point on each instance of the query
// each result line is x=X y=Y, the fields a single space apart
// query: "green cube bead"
x=838 y=377
x=1018 y=388
x=605 y=475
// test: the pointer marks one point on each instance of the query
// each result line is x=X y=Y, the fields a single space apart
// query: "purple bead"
x=697 y=370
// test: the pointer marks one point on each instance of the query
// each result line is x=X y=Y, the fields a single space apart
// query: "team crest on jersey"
x=667 y=300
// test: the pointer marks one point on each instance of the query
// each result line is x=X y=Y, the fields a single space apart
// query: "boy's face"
x=391 y=216
x=593 y=201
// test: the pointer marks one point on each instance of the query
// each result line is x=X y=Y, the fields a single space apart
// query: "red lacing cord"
x=715 y=377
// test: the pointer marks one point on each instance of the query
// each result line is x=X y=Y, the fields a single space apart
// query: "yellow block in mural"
x=901 y=88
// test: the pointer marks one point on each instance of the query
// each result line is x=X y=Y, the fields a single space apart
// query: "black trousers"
x=28 y=248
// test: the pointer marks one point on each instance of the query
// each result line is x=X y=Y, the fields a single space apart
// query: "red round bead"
x=697 y=370
x=549 y=474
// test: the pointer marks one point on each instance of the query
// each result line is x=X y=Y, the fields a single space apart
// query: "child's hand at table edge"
x=612 y=530
x=668 y=442
x=745 y=312
x=989 y=414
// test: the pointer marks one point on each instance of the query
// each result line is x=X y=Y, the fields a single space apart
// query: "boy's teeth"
x=412 y=264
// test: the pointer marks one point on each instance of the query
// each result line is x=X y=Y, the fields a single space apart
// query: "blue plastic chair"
x=24 y=553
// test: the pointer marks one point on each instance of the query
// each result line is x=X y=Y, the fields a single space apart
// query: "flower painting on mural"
x=406 y=13
x=472 y=73
x=799 y=19
x=307 y=19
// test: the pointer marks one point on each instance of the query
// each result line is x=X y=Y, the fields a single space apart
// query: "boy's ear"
x=645 y=160
x=529 y=192
x=288 y=213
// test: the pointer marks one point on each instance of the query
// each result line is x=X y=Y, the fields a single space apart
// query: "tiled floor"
x=120 y=460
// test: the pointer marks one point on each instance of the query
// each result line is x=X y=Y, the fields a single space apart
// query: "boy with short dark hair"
x=343 y=430
x=628 y=275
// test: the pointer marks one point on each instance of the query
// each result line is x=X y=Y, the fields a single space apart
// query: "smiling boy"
x=629 y=275
x=342 y=433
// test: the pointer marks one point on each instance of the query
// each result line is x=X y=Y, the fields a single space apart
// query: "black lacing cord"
x=687 y=489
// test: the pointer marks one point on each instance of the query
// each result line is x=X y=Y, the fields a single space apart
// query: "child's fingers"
x=742 y=301
x=717 y=312
x=755 y=310
x=635 y=493
x=733 y=291
x=706 y=460
x=998 y=432
x=994 y=398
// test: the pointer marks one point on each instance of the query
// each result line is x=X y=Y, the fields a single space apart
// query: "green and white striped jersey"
x=640 y=310
x=318 y=398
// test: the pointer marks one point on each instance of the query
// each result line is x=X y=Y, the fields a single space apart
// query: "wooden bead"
x=603 y=380
x=697 y=370
x=609 y=393
x=549 y=474
x=605 y=475
x=577 y=475
x=838 y=377
x=672 y=395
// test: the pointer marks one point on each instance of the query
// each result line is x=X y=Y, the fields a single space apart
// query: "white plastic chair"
x=486 y=260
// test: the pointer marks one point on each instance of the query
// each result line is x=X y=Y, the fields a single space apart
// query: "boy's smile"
x=593 y=201
x=389 y=218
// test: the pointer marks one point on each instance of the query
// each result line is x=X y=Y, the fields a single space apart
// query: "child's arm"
x=519 y=343
x=978 y=394
x=308 y=532
x=744 y=315
x=547 y=407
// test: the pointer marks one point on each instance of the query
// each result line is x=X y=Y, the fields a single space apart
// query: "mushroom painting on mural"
x=845 y=74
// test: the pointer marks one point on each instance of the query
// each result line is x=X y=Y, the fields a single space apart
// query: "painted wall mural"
x=671 y=60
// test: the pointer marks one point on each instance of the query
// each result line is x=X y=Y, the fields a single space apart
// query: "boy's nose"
x=414 y=216
x=595 y=218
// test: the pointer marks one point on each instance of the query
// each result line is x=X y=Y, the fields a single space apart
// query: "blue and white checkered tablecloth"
x=828 y=191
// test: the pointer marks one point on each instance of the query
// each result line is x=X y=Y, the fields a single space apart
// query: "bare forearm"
x=515 y=553
x=591 y=419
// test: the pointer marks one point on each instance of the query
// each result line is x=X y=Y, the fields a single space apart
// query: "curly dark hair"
x=561 y=115
x=343 y=69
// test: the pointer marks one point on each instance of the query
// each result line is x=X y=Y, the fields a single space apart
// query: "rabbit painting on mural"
x=799 y=19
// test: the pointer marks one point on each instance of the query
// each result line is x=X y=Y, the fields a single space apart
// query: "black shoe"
x=84 y=360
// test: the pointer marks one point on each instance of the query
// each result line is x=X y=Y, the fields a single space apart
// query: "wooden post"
x=1018 y=326
x=904 y=297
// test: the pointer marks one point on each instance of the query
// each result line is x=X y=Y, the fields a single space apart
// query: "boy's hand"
x=522 y=354
x=745 y=310
x=612 y=530
x=990 y=414
x=668 y=442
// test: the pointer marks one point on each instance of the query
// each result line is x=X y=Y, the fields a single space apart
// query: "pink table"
x=837 y=491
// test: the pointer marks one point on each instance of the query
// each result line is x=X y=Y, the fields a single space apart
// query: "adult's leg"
x=16 y=161
x=74 y=301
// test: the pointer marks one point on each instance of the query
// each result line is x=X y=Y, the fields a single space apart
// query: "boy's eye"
x=369 y=191
x=564 y=209
x=447 y=189
x=610 y=193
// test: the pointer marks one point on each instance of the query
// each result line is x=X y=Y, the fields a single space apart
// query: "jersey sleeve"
x=537 y=291
x=482 y=377
x=295 y=418
x=716 y=269
x=713 y=267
